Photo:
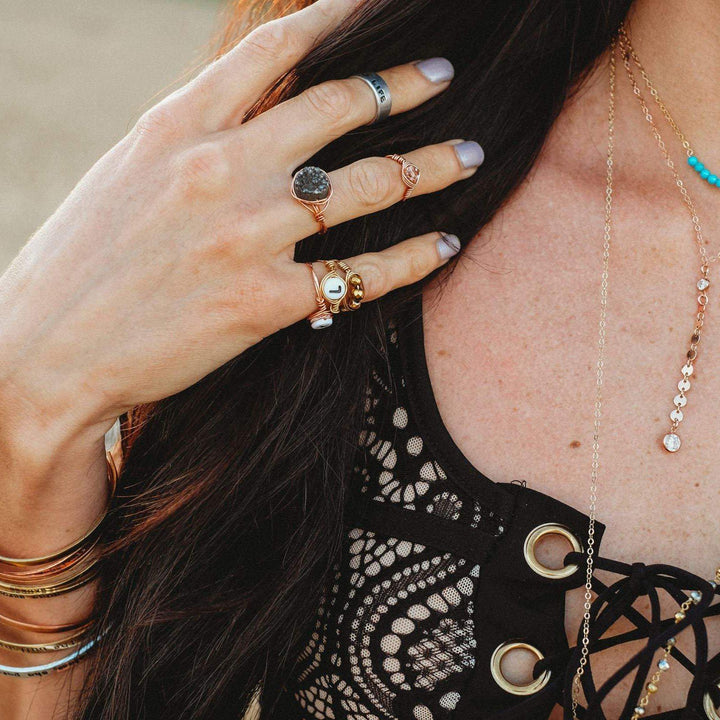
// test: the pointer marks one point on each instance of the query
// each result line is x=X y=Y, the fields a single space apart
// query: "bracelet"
x=78 y=544
x=63 y=644
x=52 y=570
x=40 y=584
x=44 y=629
x=46 y=591
x=54 y=666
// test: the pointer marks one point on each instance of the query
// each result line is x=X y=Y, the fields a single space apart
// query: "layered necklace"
x=671 y=441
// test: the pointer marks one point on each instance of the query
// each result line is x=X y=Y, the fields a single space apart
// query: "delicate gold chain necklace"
x=671 y=441
x=692 y=158
x=663 y=664
x=602 y=325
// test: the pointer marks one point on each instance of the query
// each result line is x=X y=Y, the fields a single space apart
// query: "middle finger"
x=297 y=128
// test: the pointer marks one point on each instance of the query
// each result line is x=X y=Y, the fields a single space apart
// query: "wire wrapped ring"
x=311 y=187
x=342 y=293
x=322 y=317
x=410 y=174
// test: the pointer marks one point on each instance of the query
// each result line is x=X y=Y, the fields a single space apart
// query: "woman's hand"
x=175 y=252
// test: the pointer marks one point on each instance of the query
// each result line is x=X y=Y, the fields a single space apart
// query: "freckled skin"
x=526 y=337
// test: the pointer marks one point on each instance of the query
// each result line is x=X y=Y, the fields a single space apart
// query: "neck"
x=678 y=42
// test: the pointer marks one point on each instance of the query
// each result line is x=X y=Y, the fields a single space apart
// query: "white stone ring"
x=341 y=289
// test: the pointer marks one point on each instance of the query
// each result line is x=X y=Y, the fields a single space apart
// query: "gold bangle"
x=52 y=570
x=38 y=648
x=46 y=591
x=78 y=544
x=83 y=625
x=68 y=575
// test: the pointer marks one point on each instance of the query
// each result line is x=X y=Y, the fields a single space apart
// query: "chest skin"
x=511 y=344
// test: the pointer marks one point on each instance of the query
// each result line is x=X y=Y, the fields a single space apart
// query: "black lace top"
x=434 y=582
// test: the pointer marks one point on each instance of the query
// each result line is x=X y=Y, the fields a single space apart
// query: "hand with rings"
x=175 y=252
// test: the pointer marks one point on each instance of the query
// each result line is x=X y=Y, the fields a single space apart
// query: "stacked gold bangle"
x=60 y=572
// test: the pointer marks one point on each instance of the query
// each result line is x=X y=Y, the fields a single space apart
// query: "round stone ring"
x=333 y=287
x=342 y=290
x=410 y=174
x=311 y=187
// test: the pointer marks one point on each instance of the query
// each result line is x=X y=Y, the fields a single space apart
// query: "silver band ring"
x=381 y=91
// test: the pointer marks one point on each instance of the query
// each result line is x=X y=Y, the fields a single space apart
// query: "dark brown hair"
x=231 y=510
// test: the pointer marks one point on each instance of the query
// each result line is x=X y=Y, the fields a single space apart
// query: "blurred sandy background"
x=74 y=76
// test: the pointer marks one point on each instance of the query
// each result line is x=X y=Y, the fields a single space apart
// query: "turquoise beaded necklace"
x=693 y=160
x=699 y=168
x=671 y=441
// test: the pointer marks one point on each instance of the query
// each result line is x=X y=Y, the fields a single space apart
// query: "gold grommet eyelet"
x=709 y=707
x=532 y=540
x=496 y=669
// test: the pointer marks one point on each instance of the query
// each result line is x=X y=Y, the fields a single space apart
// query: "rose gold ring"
x=410 y=174
x=343 y=293
x=311 y=187
x=322 y=317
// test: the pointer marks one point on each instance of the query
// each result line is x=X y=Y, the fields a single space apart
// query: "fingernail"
x=448 y=245
x=470 y=154
x=436 y=70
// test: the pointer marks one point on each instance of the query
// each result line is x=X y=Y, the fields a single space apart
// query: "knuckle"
x=331 y=100
x=272 y=41
x=203 y=169
x=375 y=275
x=419 y=263
x=370 y=183
x=159 y=123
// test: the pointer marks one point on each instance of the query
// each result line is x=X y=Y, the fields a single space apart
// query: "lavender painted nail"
x=470 y=154
x=447 y=246
x=436 y=70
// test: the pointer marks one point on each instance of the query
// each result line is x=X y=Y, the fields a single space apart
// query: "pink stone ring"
x=410 y=174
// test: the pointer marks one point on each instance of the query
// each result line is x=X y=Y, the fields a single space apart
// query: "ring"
x=381 y=91
x=311 y=187
x=322 y=318
x=410 y=174
x=342 y=293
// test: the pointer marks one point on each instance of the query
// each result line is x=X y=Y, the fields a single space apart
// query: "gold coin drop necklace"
x=651 y=687
x=671 y=441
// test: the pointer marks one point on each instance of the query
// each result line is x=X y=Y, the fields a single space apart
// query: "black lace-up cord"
x=615 y=601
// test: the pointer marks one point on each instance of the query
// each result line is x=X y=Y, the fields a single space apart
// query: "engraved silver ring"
x=381 y=91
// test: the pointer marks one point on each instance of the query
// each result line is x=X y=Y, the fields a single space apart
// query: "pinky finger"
x=403 y=264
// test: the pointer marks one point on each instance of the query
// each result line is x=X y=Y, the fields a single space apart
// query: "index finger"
x=227 y=89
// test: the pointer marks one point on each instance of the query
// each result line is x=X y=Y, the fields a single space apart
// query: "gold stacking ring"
x=343 y=291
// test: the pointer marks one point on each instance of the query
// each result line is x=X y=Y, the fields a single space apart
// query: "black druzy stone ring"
x=311 y=187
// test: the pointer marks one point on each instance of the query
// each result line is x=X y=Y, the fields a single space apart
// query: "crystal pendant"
x=672 y=442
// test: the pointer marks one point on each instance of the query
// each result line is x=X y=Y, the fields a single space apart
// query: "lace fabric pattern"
x=395 y=635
